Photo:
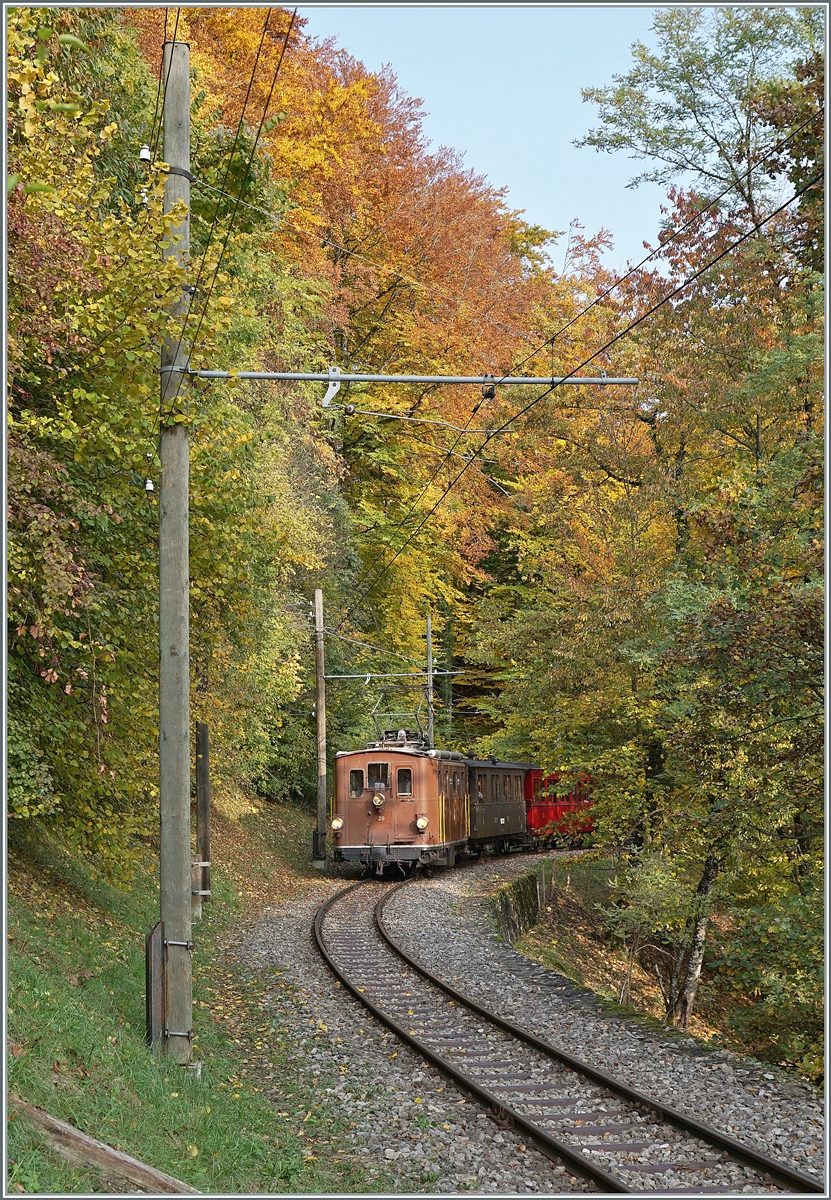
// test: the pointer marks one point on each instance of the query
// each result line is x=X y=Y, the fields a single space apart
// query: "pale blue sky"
x=502 y=83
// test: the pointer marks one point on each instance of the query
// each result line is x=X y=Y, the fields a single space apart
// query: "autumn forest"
x=629 y=580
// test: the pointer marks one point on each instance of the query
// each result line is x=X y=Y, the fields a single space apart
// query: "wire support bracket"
x=367 y=675
x=476 y=380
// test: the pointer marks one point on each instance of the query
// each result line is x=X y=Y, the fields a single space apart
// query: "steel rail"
x=550 y=1146
x=787 y=1176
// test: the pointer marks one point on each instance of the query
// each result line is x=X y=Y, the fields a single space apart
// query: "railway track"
x=607 y=1132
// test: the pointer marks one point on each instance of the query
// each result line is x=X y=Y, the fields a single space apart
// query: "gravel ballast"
x=442 y=922
x=412 y=1131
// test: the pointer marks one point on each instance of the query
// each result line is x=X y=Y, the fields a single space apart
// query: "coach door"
x=455 y=802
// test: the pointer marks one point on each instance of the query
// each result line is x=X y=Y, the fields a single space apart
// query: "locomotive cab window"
x=379 y=775
x=405 y=782
x=356 y=783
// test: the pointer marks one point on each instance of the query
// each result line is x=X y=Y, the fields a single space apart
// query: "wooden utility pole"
x=430 y=730
x=319 y=849
x=174 y=667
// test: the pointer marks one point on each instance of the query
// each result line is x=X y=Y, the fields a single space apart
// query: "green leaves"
x=69 y=39
x=689 y=108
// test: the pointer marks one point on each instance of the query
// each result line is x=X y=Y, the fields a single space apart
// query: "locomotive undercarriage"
x=378 y=856
x=408 y=858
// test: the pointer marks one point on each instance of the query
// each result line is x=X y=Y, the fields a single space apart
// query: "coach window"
x=379 y=775
x=480 y=787
x=455 y=783
x=495 y=788
x=356 y=783
x=405 y=781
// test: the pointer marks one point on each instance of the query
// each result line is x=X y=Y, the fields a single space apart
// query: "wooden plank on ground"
x=85 y=1151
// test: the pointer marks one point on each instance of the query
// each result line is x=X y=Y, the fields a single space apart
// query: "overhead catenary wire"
x=612 y=287
x=282 y=220
x=159 y=86
x=368 y=645
x=230 y=163
x=237 y=203
x=603 y=295
x=697 y=216
x=612 y=341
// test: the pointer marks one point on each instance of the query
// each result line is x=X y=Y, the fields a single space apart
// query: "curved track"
x=620 y=1139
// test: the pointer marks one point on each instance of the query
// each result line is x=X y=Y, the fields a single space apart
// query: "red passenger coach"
x=558 y=806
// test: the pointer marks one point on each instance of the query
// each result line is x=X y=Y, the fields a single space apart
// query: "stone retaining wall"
x=514 y=906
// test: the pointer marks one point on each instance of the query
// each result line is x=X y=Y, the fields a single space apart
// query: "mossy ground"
x=76 y=1022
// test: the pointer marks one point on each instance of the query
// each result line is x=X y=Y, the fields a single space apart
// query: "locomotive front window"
x=379 y=775
x=356 y=783
x=405 y=781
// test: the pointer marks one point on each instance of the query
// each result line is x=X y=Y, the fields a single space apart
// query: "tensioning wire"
x=153 y=133
x=238 y=200
x=228 y=167
x=598 y=299
x=607 y=345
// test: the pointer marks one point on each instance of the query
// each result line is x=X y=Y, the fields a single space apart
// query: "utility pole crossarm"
x=477 y=380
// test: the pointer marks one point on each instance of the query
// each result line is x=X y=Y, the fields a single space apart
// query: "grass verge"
x=76 y=1023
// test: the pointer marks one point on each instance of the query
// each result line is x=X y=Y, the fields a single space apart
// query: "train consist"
x=399 y=803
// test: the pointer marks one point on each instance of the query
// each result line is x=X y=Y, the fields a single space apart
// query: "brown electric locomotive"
x=399 y=802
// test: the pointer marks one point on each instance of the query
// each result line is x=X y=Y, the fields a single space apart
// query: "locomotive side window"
x=356 y=783
x=405 y=781
x=379 y=775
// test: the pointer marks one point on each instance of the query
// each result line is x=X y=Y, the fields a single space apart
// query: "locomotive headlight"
x=337 y=824
x=422 y=823
x=378 y=800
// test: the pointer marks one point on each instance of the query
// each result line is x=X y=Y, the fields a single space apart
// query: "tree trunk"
x=701 y=913
x=626 y=989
